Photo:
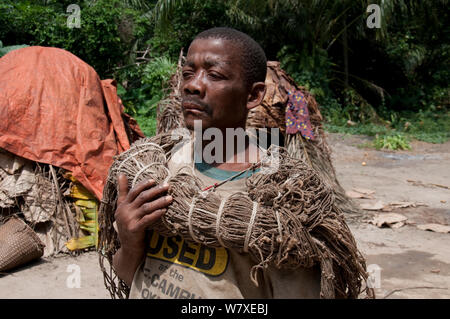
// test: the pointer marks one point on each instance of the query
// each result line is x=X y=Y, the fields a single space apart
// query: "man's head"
x=223 y=78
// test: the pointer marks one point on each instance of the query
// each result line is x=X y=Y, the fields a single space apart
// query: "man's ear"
x=256 y=95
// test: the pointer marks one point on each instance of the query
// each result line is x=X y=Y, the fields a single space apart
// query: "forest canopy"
x=391 y=80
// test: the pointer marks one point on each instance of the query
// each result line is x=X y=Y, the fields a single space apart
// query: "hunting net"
x=288 y=217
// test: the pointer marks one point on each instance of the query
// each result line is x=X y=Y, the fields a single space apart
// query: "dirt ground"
x=411 y=263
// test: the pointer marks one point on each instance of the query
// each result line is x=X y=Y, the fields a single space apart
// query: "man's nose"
x=195 y=85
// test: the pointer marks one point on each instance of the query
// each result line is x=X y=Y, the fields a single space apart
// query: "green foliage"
x=369 y=129
x=147 y=123
x=387 y=81
x=97 y=41
x=141 y=99
x=392 y=142
x=429 y=126
x=157 y=74
x=416 y=41
x=312 y=72
x=179 y=21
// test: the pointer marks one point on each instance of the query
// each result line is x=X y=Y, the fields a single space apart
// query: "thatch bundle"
x=288 y=217
x=271 y=114
x=41 y=195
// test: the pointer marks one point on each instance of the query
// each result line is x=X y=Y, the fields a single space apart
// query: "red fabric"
x=54 y=109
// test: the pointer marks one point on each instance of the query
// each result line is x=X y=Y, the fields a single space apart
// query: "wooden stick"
x=419 y=183
x=409 y=288
x=61 y=206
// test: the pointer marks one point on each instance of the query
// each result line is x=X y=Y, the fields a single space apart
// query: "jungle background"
x=390 y=83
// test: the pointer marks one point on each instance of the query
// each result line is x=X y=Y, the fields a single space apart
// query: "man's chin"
x=189 y=122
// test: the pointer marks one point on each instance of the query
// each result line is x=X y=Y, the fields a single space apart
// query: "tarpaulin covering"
x=54 y=109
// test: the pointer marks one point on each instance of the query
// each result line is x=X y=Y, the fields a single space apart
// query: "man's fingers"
x=150 y=195
x=151 y=207
x=139 y=188
x=150 y=219
x=122 y=181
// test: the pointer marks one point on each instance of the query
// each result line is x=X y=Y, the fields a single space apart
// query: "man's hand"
x=137 y=209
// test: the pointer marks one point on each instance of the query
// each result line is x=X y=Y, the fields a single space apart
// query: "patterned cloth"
x=297 y=115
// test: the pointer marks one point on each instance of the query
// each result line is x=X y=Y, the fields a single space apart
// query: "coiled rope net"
x=287 y=217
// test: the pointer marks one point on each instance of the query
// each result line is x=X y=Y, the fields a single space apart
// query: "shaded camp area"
x=60 y=127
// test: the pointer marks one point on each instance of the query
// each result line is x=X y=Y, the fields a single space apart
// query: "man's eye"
x=186 y=74
x=216 y=75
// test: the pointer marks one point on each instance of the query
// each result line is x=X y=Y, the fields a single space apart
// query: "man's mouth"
x=192 y=107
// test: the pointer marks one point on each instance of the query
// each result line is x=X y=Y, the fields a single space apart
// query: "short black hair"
x=254 y=61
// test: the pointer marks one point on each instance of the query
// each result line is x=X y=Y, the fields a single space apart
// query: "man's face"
x=213 y=89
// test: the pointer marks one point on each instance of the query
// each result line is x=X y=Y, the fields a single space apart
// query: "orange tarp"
x=54 y=109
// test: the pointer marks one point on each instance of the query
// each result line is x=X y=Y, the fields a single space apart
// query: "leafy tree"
x=386 y=77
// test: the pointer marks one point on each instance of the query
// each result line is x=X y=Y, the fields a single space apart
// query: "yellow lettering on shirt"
x=208 y=260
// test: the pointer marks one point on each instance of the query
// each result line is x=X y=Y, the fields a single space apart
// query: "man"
x=222 y=79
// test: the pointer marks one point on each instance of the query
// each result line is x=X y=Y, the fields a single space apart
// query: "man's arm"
x=301 y=283
x=136 y=211
x=125 y=264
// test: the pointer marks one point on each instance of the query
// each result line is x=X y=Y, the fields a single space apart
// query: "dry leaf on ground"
x=438 y=228
x=394 y=205
x=379 y=205
x=397 y=225
x=360 y=193
x=364 y=191
x=389 y=219
x=435 y=271
x=353 y=194
x=406 y=204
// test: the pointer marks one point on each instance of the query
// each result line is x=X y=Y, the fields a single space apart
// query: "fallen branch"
x=60 y=207
x=409 y=288
x=419 y=183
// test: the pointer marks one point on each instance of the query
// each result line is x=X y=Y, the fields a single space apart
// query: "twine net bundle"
x=287 y=217
x=316 y=153
x=169 y=115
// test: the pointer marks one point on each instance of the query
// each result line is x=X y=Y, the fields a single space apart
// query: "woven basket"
x=19 y=244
